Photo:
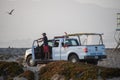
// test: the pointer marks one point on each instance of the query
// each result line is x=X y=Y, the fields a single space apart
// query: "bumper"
x=96 y=57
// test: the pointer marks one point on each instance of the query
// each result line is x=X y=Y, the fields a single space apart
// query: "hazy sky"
x=33 y=17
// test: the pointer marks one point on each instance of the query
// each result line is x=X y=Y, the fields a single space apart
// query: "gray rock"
x=58 y=77
x=19 y=78
x=1 y=78
x=114 y=79
x=112 y=59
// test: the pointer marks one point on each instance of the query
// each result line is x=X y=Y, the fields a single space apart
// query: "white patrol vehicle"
x=87 y=47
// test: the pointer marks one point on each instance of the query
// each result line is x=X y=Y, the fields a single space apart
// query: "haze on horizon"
x=33 y=17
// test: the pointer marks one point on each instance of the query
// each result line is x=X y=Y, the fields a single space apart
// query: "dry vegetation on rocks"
x=29 y=75
x=77 y=71
x=13 y=69
x=10 y=69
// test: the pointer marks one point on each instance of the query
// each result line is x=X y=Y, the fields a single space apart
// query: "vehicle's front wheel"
x=73 y=58
x=30 y=62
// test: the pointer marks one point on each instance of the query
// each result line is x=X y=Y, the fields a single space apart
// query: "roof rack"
x=77 y=34
x=59 y=36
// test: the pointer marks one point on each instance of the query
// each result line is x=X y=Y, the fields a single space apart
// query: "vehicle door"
x=70 y=45
x=56 y=49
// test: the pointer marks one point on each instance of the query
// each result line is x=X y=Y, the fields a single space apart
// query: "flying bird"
x=10 y=13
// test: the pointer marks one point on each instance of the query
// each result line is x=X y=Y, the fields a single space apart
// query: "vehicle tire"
x=95 y=62
x=30 y=62
x=73 y=58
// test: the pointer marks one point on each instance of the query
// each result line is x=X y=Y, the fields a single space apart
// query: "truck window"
x=56 y=43
x=50 y=43
x=71 y=42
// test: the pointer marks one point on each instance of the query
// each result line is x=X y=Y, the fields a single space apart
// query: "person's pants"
x=46 y=49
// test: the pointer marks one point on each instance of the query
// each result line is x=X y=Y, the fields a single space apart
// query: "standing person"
x=45 y=45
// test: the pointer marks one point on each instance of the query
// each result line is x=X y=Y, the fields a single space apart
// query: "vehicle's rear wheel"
x=30 y=62
x=74 y=58
x=95 y=62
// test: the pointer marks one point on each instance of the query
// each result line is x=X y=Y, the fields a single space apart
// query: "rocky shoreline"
x=17 y=55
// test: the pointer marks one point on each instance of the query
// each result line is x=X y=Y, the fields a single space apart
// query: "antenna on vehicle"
x=117 y=33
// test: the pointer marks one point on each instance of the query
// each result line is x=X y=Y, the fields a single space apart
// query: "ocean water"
x=12 y=50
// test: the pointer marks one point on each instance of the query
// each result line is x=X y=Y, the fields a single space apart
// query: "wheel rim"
x=31 y=62
x=73 y=60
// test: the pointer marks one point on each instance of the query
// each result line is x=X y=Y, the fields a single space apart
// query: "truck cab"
x=87 y=47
